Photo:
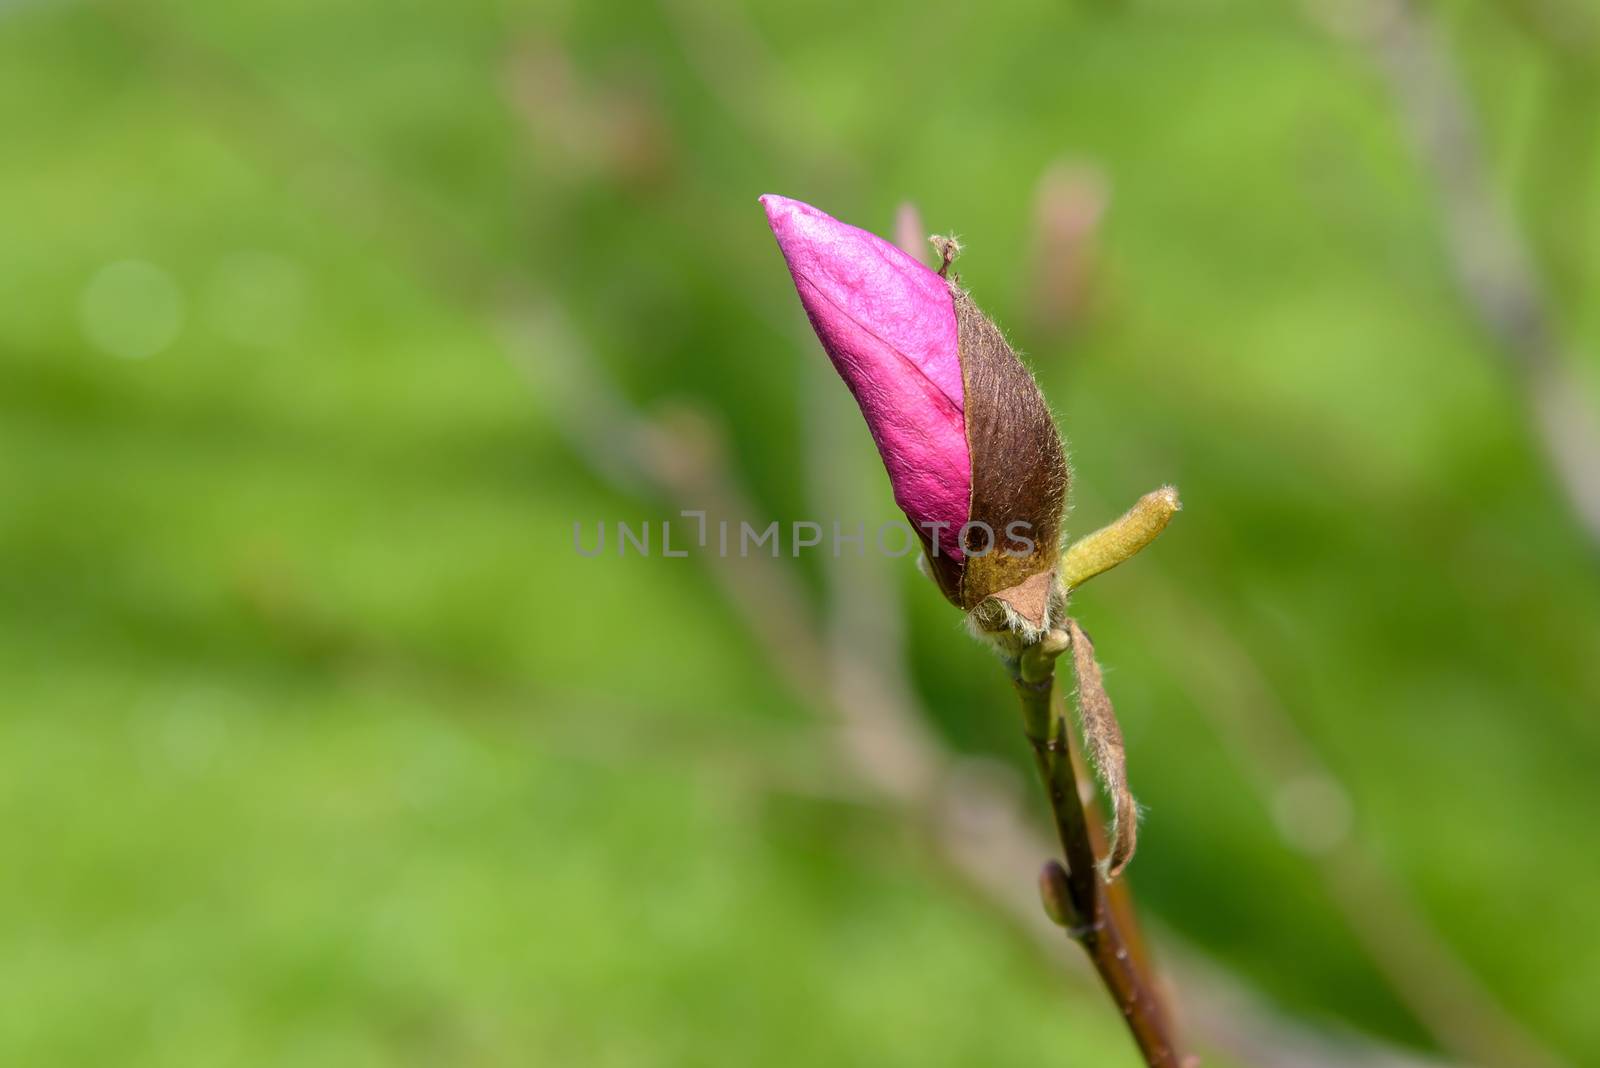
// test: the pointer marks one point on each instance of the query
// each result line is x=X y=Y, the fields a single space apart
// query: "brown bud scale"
x=1019 y=471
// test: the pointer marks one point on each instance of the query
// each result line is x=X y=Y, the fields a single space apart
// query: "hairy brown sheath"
x=1019 y=473
x=1104 y=738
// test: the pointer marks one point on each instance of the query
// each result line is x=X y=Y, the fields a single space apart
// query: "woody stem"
x=1101 y=928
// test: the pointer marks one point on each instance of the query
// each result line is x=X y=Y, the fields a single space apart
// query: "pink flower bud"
x=890 y=327
x=964 y=434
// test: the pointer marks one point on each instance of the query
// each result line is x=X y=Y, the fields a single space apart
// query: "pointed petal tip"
x=780 y=209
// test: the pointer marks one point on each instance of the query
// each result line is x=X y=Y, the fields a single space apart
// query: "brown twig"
x=1094 y=924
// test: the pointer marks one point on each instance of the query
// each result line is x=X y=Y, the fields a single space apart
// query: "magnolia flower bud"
x=972 y=453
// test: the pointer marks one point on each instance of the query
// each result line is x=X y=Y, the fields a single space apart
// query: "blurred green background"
x=322 y=323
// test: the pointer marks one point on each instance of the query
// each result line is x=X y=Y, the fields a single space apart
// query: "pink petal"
x=889 y=325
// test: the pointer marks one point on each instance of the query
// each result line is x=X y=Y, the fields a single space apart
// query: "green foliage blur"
x=320 y=745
